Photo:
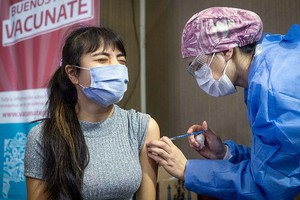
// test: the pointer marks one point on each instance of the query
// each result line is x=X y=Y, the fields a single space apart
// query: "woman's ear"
x=72 y=73
x=228 y=54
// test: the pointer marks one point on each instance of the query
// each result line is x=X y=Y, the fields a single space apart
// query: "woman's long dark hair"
x=66 y=153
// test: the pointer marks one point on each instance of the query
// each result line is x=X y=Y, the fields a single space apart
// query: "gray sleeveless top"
x=114 y=170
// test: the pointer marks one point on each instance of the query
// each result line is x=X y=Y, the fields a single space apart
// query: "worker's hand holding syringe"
x=209 y=145
x=171 y=158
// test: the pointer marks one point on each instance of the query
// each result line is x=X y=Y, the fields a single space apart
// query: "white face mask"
x=208 y=84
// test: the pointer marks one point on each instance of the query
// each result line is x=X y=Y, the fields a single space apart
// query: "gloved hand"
x=213 y=147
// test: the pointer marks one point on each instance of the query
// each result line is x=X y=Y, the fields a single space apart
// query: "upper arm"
x=33 y=164
x=147 y=189
x=35 y=189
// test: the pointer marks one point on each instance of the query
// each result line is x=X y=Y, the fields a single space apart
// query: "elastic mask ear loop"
x=84 y=69
x=82 y=86
x=211 y=59
x=81 y=67
x=225 y=67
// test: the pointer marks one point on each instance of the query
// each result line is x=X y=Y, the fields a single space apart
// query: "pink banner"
x=32 y=33
x=31 y=37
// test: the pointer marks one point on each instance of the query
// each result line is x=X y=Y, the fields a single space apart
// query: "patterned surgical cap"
x=218 y=29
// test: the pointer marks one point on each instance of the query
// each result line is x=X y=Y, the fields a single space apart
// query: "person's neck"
x=91 y=112
x=243 y=71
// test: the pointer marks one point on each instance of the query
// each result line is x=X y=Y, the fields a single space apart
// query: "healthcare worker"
x=228 y=49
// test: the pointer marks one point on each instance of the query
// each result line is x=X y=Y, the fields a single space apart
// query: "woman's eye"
x=103 y=60
x=123 y=62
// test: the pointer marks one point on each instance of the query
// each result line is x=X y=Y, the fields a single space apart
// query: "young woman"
x=88 y=147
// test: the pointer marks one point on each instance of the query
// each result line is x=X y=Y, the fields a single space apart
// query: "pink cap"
x=218 y=29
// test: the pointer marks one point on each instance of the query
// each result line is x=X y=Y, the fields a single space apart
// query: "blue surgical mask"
x=108 y=84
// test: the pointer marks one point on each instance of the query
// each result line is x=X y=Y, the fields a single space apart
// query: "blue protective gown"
x=270 y=169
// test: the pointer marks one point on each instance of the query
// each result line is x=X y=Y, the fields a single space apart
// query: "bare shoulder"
x=153 y=132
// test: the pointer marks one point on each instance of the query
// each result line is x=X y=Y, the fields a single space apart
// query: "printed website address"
x=23 y=114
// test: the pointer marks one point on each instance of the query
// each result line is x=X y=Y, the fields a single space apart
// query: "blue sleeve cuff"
x=228 y=153
x=238 y=152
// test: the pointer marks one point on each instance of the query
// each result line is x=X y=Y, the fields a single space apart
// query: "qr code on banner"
x=13 y=168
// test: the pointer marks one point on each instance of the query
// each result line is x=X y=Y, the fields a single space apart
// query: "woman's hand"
x=167 y=155
x=213 y=145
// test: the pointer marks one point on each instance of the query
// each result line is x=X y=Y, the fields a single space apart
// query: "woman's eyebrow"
x=99 y=54
x=105 y=54
x=121 y=55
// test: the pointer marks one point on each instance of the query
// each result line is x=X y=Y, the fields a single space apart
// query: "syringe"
x=187 y=134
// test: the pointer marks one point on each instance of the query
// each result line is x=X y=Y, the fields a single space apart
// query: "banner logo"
x=31 y=18
x=14 y=150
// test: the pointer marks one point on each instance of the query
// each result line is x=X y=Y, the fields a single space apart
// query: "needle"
x=186 y=135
